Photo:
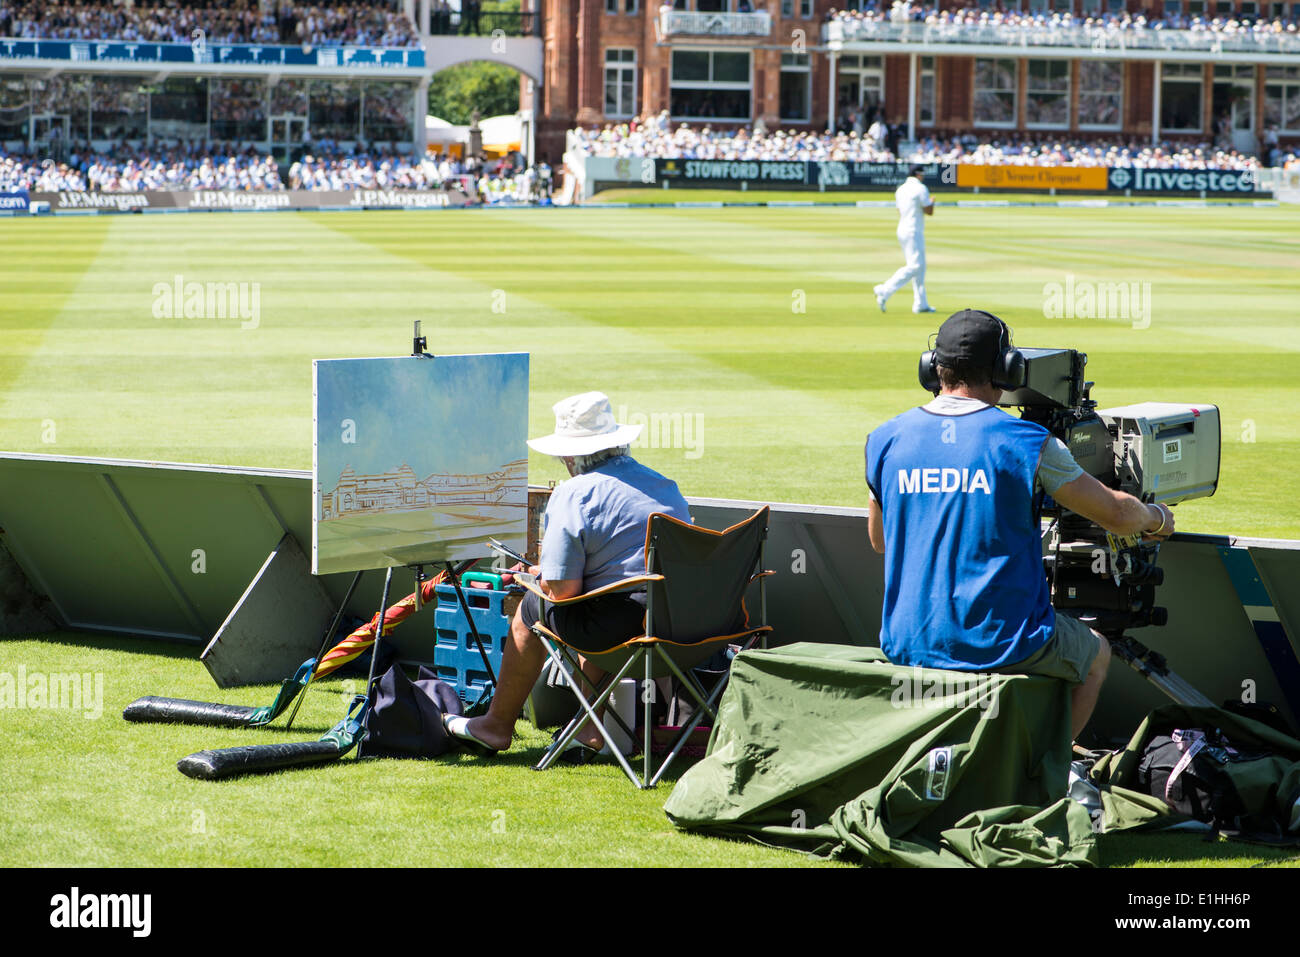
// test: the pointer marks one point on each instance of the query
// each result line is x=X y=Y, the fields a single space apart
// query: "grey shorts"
x=1068 y=654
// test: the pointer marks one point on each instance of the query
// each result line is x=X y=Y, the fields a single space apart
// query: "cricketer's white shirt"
x=912 y=198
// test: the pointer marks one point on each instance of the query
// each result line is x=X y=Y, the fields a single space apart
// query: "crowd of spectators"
x=352 y=23
x=861 y=24
x=656 y=137
x=326 y=167
x=181 y=166
x=323 y=166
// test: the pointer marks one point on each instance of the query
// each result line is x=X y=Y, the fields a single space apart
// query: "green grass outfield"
x=760 y=321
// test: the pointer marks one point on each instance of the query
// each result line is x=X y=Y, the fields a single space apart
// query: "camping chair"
x=695 y=583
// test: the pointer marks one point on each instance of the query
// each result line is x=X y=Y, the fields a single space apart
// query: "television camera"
x=1156 y=451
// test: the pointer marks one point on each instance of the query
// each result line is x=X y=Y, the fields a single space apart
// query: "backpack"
x=405 y=718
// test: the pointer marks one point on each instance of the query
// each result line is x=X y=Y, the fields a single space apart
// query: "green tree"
x=490 y=88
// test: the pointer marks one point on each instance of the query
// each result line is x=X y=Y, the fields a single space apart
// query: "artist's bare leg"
x=1083 y=699
x=521 y=663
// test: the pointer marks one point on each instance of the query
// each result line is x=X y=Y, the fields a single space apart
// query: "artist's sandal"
x=457 y=727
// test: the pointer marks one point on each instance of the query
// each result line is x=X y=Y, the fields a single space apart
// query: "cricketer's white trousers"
x=913 y=269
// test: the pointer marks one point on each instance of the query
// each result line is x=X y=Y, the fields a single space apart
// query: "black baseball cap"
x=916 y=169
x=972 y=335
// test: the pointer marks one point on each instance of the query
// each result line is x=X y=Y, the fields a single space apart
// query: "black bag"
x=1201 y=775
x=405 y=718
x=1198 y=788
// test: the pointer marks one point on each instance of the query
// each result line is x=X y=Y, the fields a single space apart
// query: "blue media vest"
x=964 y=582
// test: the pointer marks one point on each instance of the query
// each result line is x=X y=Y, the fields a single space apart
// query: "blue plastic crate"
x=456 y=657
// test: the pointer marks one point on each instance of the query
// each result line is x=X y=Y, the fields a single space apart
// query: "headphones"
x=1007 y=372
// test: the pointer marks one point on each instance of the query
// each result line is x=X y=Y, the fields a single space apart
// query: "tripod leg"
x=374 y=648
x=324 y=646
x=1151 y=666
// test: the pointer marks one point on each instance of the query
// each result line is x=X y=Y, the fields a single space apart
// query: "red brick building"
x=740 y=61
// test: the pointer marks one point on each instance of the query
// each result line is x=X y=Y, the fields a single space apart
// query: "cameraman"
x=953 y=490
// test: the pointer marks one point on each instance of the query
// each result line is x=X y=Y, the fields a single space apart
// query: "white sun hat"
x=584 y=425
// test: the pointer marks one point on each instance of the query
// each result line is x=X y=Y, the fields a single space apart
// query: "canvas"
x=418 y=460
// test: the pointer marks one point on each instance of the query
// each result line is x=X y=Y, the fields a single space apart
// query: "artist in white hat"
x=594 y=535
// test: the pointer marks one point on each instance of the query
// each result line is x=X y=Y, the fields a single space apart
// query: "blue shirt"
x=596 y=522
x=964 y=581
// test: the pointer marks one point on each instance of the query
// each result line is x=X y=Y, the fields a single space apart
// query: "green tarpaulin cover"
x=833 y=750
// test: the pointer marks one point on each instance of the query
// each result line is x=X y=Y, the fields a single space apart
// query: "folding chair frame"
x=565 y=661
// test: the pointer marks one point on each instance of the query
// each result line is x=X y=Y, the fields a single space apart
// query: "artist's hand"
x=1163 y=529
x=535 y=571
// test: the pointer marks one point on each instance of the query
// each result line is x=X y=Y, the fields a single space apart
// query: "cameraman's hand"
x=1163 y=529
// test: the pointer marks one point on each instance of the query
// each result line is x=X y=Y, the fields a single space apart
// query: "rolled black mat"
x=229 y=762
x=187 y=712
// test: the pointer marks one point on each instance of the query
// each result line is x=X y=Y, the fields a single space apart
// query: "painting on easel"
x=418 y=460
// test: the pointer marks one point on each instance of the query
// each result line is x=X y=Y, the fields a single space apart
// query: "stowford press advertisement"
x=733 y=171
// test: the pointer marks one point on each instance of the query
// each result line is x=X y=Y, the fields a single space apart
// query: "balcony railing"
x=678 y=22
x=1099 y=40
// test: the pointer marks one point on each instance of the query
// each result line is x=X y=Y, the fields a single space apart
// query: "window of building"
x=1047 y=93
x=796 y=88
x=620 y=83
x=1180 y=98
x=713 y=6
x=806 y=9
x=787 y=8
x=15 y=108
x=1116 y=6
x=178 y=109
x=61 y=108
x=239 y=108
x=860 y=89
x=1223 y=8
x=1037 y=6
x=629 y=6
x=925 y=96
x=1282 y=98
x=1196 y=8
x=712 y=84
x=1173 y=8
x=1101 y=94
x=1063 y=6
x=1249 y=8
x=1091 y=7
x=611 y=6
x=386 y=111
x=119 y=109
x=995 y=92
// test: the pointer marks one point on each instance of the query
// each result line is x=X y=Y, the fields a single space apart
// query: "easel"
x=419 y=350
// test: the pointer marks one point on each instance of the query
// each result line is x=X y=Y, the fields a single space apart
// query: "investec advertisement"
x=215 y=199
x=1197 y=181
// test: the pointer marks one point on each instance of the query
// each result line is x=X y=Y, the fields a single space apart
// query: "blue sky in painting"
x=449 y=414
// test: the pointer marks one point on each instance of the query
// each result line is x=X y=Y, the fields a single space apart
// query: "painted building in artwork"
x=399 y=490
